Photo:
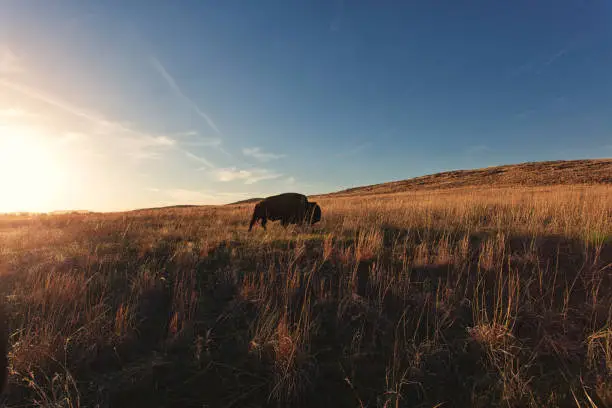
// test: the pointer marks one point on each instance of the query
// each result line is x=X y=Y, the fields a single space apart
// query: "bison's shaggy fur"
x=289 y=208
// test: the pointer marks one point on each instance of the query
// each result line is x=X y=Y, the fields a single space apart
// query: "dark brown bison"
x=290 y=208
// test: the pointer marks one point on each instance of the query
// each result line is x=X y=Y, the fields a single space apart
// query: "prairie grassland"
x=464 y=297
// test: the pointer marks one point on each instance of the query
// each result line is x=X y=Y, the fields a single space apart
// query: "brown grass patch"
x=463 y=297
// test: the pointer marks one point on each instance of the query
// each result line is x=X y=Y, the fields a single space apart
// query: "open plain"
x=467 y=293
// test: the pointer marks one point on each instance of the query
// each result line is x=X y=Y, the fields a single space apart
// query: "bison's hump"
x=289 y=195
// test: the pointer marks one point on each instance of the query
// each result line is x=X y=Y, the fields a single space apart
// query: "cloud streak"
x=143 y=146
x=248 y=176
x=49 y=100
x=208 y=164
x=134 y=143
x=477 y=149
x=258 y=154
x=525 y=114
x=537 y=65
x=100 y=122
x=178 y=91
x=203 y=142
x=555 y=57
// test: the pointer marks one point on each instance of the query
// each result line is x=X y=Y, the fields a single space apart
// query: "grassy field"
x=439 y=298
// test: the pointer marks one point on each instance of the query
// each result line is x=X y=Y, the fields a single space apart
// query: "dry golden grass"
x=464 y=297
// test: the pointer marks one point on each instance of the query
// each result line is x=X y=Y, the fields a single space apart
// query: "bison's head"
x=313 y=213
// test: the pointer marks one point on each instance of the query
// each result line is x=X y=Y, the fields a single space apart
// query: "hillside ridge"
x=528 y=174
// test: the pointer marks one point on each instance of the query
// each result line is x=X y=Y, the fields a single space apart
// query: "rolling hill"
x=248 y=201
x=560 y=172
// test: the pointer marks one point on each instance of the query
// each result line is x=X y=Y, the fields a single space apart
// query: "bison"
x=290 y=208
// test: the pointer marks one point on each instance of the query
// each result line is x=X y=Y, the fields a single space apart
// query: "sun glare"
x=31 y=177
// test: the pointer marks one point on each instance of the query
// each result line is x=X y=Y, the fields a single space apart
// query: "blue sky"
x=148 y=103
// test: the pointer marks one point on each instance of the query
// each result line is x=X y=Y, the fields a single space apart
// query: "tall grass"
x=466 y=297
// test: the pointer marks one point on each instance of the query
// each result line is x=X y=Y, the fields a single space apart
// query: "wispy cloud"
x=187 y=133
x=354 y=150
x=212 y=142
x=172 y=83
x=137 y=145
x=34 y=94
x=145 y=147
x=538 y=64
x=133 y=143
x=477 y=149
x=525 y=114
x=556 y=56
x=248 y=176
x=102 y=125
x=191 y=139
x=231 y=174
x=259 y=154
x=10 y=63
x=203 y=142
x=208 y=164
x=547 y=61
x=160 y=141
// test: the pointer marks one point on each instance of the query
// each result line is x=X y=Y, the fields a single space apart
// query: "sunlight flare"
x=31 y=173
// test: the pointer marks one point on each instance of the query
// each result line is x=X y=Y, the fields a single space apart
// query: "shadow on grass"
x=380 y=328
x=370 y=344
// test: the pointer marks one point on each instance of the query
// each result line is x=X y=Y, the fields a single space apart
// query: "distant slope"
x=64 y=212
x=597 y=171
x=247 y=201
x=168 y=207
x=545 y=173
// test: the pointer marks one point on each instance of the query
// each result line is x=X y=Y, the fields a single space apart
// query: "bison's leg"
x=264 y=220
x=253 y=221
x=258 y=214
x=300 y=220
x=303 y=215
